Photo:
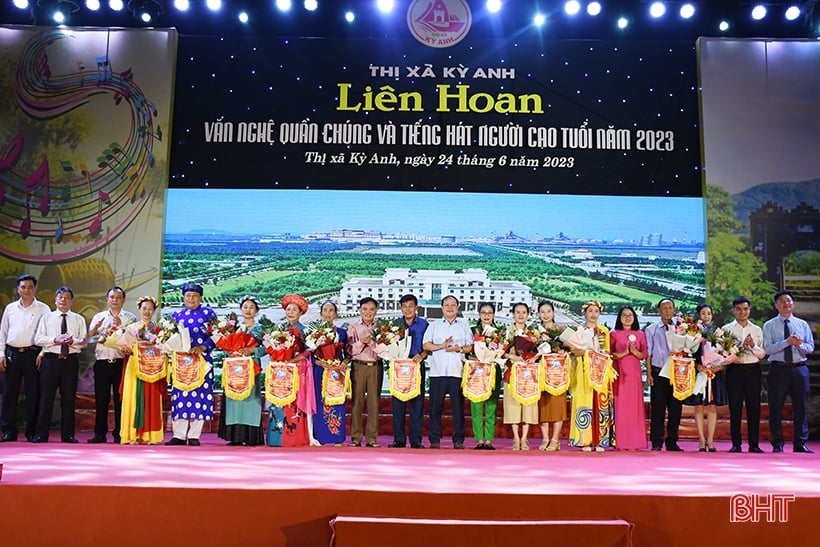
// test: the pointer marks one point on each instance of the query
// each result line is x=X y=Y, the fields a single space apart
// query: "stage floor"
x=503 y=471
x=289 y=496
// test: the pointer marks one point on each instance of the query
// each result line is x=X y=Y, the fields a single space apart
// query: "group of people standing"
x=40 y=349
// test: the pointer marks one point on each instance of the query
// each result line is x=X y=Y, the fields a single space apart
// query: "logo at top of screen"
x=439 y=23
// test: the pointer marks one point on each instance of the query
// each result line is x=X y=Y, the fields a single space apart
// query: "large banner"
x=761 y=112
x=84 y=127
x=552 y=117
x=496 y=170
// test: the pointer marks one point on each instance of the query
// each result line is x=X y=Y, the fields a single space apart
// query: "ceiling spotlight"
x=758 y=12
x=93 y=5
x=116 y=5
x=594 y=8
x=623 y=22
x=792 y=13
x=723 y=26
x=311 y=5
x=539 y=20
x=214 y=5
x=243 y=17
x=146 y=10
x=687 y=11
x=350 y=16
x=59 y=9
x=572 y=7
x=385 y=6
x=493 y=6
x=21 y=4
x=182 y=5
x=657 y=9
x=283 y=5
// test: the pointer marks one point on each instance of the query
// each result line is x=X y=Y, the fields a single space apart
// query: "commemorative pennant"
x=556 y=373
x=238 y=377
x=188 y=370
x=525 y=382
x=405 y=379
x=281 y=383
x=151 y=362
x=478 y=381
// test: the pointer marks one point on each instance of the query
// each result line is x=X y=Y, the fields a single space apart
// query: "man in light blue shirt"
x=788 y=340
x=448 y=340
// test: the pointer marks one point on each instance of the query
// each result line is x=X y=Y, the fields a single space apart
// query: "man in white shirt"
x=448 y=340
x=788 y=340
x=62 y=334
x=108 y=365
x=19 y=357
x=743 y=377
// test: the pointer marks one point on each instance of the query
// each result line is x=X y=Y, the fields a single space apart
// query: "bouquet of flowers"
x=116 y=337
x=490 y=346
x=231 y=335
x=171 y=338
x=726 y=347
x=279 y=342
x=391 y=342
x=524 y=341
x=322 y=340
x=687 y=325
x=549 y=340
x=686 y=335
x=145 y=332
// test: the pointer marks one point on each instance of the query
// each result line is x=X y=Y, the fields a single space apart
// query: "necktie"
x=787 y=353
x=63 y=330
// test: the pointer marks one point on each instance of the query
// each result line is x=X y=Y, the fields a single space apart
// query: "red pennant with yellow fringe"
x=335 y=385
x=281 y=383
x=478 y=381
x=525 y=382
x=601 y=372
x=238 y=377
x=151 y=362
x=556 y=373
x=405 y=379
x=682 y=377
x=188 y=370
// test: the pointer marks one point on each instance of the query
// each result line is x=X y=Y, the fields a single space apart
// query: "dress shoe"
x=674 y=448
x=8 y=438
x=656 y=447
x=458 y=446
x=37 y=439
x=702 y=449
x=70 y=440
x=175 y=442
x=396 y=444
x=735 y=449
x=803 y=449
x=96 y=439
x=416 y=445
x=479 y=447
x=755 y=450
x=435 y=444
x=776 y=449
x=193 y=442
x=489 y=447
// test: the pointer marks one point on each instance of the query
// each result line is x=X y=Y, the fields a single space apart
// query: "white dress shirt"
x=50 y=327
x=757 y=352
x=19 y=324
x=101 y=351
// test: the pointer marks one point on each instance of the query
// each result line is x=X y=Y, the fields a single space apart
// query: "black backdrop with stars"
x=648 y=88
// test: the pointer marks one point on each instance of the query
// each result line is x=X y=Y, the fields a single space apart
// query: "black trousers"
x=440 y=387
x=743 y=386
x=662 y=400
x=58 y=373
x=794 y=382
x=107 y=378
x=21 y=368
x=416 y=407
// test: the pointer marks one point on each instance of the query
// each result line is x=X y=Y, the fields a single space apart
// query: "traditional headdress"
x=592 y=303
x=251 y=298
x=295 y=299
x=150 y=299
x=192 y=287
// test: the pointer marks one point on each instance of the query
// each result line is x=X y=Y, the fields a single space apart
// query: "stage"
x=131 y=495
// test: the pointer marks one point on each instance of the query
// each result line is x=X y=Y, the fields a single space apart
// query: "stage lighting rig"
x=146 y=11
x=54 y=7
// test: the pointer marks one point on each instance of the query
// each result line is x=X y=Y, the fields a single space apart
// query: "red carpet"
x=289 y=496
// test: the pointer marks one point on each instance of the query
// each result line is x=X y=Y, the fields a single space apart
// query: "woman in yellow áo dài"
x=591 y=426
x=143 y=381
